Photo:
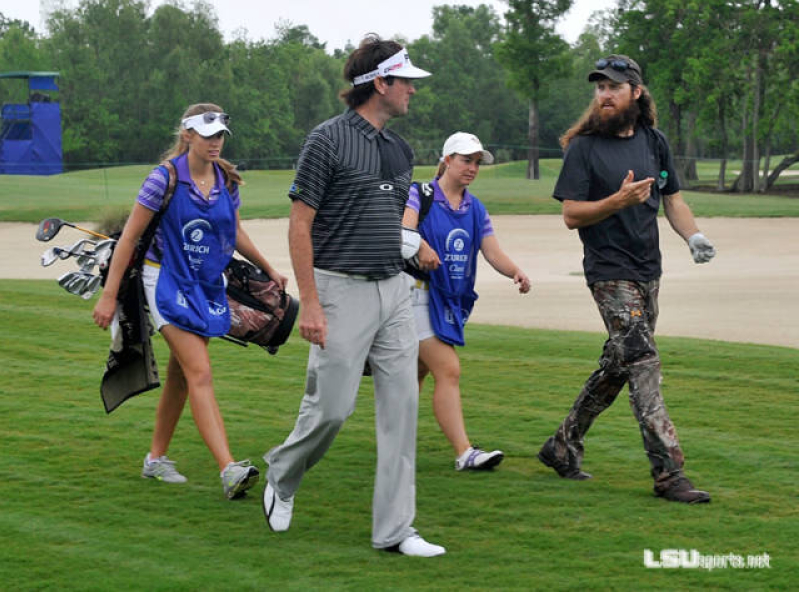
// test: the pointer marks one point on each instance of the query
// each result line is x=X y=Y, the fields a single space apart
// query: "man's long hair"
x=369 y=54
x=590 y=122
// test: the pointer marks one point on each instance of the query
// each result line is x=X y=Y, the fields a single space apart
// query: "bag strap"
x=149 y=233
x=426 y=192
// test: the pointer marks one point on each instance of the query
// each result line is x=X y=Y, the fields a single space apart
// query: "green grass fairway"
x=77 y=516
x=88 y=195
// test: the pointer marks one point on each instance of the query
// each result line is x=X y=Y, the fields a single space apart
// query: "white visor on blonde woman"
x=208 y=124
x=463 y=143
x=398 y=65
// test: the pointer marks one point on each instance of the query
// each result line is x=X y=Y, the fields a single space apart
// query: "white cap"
x=463 y=143
x=207 y=124
x=398 y=65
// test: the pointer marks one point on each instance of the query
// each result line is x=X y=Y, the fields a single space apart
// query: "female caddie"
x=454 y=229
x=183 y=283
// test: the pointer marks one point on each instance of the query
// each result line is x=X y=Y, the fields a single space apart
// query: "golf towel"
x=131 y=367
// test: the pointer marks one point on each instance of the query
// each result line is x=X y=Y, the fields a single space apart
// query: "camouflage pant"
x=629 y=310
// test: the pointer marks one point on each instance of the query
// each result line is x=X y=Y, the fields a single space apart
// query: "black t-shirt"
x=624 y=246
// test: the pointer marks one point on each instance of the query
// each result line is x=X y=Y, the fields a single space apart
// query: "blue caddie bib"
x=456 y=237
x=199 y=240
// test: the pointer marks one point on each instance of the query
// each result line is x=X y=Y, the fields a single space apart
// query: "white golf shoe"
x=476 y=459
x=277 y=511
x=416 y=546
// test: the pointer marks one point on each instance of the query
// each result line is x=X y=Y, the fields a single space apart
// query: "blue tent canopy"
x=30 y=135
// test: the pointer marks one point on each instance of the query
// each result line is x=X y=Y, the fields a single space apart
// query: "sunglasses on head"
x=210 y=117
x=617 y=64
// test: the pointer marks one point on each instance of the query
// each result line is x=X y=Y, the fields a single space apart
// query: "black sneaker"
x=547 y=456
x=681 y=490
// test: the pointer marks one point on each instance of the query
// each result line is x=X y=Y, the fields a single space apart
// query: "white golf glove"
x=411 y=239
x=702 y=249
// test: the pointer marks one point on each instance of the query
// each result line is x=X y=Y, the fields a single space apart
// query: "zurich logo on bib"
x=456 y=257
x=194 y=245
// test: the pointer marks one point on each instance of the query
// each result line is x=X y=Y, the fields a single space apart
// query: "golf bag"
x=131 y=367
x=261 y=312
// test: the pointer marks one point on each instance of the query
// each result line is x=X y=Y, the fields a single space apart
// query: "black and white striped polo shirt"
x=356 y=177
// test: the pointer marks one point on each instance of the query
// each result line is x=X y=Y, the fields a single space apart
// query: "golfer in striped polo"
x=345 y=242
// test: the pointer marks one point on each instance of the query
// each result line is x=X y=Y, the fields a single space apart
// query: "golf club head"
x=105 y=244
x=86 y=261
x=56 y=253
x=66 y=278
x=48 y=228
x=79 y=247
x=91 y=287
x=50 y=256
x=103 y=251
x=76 y=284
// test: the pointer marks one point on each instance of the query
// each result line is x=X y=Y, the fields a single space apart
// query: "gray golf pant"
x=364 y=319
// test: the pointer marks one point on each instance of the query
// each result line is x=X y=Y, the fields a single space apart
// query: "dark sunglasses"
x=618 y=65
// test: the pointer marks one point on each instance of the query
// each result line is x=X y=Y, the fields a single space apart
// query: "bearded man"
x=617 y=169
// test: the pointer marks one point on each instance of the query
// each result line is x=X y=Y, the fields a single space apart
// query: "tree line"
x=723 y=72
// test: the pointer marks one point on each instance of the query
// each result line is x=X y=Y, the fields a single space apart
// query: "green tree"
x=7 y=23
x=126 y=78
x=720 y=65
x=533 y=55
x=313 y=80
x=19 y=50
x=661 y=35
x=769 y=35
x=261 y=106
x=186 y=62
x=98 y=49
x=467 y=91
x=571 y=94
x=714 y=81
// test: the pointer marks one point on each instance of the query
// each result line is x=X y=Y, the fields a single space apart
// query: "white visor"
x=208 y=124
x=463 y=143
x=398 y=65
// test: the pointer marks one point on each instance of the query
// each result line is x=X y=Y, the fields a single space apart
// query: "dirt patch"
x=748 y=293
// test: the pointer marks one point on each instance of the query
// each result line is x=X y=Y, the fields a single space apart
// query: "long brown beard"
x=613 y=125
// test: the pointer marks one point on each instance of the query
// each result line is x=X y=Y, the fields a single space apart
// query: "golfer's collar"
x=357 y=121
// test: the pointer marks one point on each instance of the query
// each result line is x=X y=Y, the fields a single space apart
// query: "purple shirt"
x=151 y=195
x=415 y=204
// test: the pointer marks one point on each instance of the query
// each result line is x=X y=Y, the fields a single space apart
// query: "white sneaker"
x=277 y=511
x=162 y=469
x=238 y=477
x=475 y=459
x=416 y=546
